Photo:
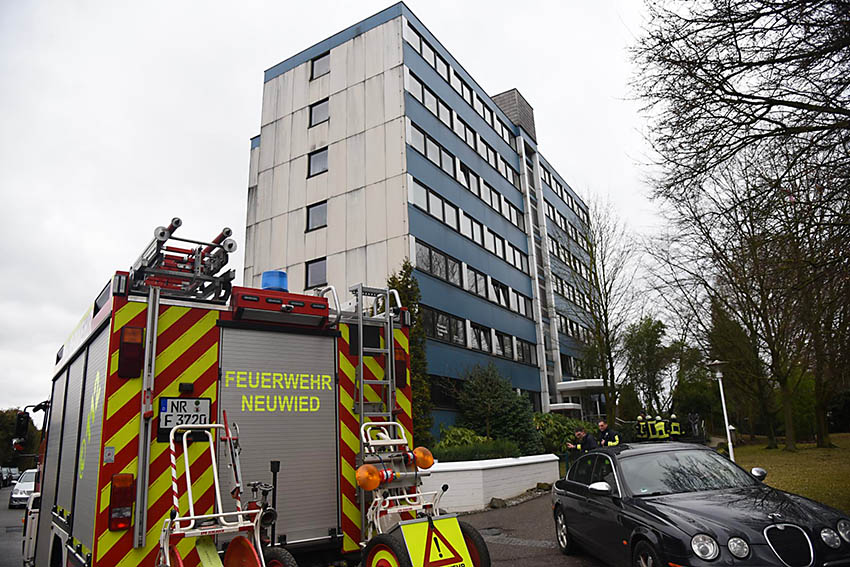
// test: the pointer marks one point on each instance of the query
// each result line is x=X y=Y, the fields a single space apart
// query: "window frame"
x=327 y=117
x=314 y=60
x=308 y=265
x=313 y=207
x=310 y=158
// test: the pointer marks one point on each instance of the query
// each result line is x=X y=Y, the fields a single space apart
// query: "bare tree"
x=722 y=76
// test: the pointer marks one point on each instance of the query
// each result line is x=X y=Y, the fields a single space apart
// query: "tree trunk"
x=610 y=389
x=788 y=411
x=821 y=390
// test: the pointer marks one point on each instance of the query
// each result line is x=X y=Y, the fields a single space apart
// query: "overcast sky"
x=116 y=116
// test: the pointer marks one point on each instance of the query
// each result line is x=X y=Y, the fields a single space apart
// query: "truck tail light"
x=121 y=497
x=131 y=352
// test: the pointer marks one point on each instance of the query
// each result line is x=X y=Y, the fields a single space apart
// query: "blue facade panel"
x=452 y=361
x=446 y=418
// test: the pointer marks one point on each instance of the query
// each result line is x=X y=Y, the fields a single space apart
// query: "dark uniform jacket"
x=586 y=444
x=610 y=438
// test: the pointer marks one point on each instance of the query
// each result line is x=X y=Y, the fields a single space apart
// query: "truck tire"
x=476 y=545
x=278 y=557
x=385 y=550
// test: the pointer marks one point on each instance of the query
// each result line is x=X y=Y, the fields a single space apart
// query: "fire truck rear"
x=320 y=394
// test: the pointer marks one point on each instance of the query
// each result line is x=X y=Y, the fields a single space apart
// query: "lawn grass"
x=819 y=474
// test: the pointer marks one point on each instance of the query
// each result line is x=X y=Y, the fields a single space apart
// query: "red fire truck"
x=320 y=394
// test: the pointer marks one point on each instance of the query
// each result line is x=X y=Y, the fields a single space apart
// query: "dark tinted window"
x=673 y=472
x=604 y=472
x=317 y=272
x=582 y=470
x=318 y=162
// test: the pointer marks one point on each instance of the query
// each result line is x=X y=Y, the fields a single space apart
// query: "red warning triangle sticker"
x=438 y=551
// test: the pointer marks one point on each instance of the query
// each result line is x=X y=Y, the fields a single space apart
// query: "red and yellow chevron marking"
x=349 y=425
x=187 y=351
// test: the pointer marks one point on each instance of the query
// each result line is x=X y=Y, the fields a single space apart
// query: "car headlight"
x=705 y=547
x=738 y=547
x=830 y=538
x=844 y=529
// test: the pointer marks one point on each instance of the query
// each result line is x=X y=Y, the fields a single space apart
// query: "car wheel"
x=562 y=534
x=645 y=555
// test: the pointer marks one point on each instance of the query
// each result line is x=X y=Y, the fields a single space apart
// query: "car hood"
x=737 y=511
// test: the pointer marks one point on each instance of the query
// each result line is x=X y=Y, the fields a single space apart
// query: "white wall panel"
x=392 y=43
x=270 y=92
x=295 y=278
x=354 y=61
x=355 y=268
x=336 y=274
x=315 y=243
x=284 y=95
x=397 y=250
x=283 y=139
x=253 y=166
x=337 y=214
x=262 y=236
x=376 y=260
x=249 y=245
x=373 y=46
x=251 y=217
x=374 y=102
x=277 y=243
x=356 y=158
x=298 y=145
x=355 y=108
x=266 y=147
x=339 y=68
x=319 y=88
x=396 y=211
x=297 y=183
x=395 y=147
x=300 y=85
x=337 y=105
x=317 y=189
x=337 y=168
x=264 y=195
x=376 y=212
x=295 y=237
x=355 y=229
x=393 y=93
x=375 y=155
x=317 y=136
x=280 y=190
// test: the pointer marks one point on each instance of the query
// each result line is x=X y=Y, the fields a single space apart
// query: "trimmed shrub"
x=458 y=437
x=489 y=449
x=556 y=430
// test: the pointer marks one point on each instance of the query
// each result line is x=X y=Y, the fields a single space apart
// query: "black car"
x=676 y=505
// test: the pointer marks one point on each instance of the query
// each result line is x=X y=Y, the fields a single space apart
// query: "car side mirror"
x=22 y=423
x=561 y=484
x=14 y=482
x=600 y=489
x=759 y=473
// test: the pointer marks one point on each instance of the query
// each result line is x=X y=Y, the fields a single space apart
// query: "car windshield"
x=28 y=476
x=673 y=472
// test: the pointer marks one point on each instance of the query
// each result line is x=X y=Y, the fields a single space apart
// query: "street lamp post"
x=717 y=367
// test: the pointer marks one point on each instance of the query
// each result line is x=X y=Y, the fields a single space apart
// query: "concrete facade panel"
x=397 y=250
x=356 y=159
x=251 y=216
x=355 y=108
x=317 y=189
x=300 y=86
x=298 y=144
x=396 y=206
x=270 y=93
x=267 y=135
x=393 y=93
x=249 y=246
x=295 y=252
x=317 y=136
x=375 y=160
x=373 y=48
x=355 y=72
x=337 y=168
x=295 y=277
x=284 y=96
x=261 y=244
x=375 y=95
x=376 y=212
x=280 y=190
x=277 y=243
x=319 y=88
x=253 y=167
x=297 y=183
x=355 y=229
x=336 y=110
x=337 y=214
x=392 y=43
x=339 y=68
x=395 y=147
x=376 y=259
x=336 y=273
x=283 y=138
x=264 y=195
x=355 y=267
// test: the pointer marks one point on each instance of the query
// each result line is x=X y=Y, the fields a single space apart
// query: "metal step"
x=377 y=382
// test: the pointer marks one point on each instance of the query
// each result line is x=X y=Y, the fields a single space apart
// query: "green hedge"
x=459 y=436
x=556 y=430
x=490 y=449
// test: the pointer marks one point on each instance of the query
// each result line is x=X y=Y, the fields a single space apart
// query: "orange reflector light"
x=131 y=352
x=368 y=477
x=424 y=458
x=121 y=496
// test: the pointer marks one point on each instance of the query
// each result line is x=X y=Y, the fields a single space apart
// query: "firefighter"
x=652 y=433
x=607 y=436
x=661 y=429
x=675 y=427
x=640 y=428
x=584 y=441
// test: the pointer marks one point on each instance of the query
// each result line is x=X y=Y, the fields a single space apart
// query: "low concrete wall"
x=473 y=483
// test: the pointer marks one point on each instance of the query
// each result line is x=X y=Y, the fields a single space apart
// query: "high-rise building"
x=376 y=145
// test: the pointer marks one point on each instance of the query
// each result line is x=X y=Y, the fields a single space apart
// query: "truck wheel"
x=385 y=550
x=476 y=545
x=278 y=557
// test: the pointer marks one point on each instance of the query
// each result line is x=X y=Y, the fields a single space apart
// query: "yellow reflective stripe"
x=173 y=351
x=346 y=367
x=127 y=314
x=401 y=340
x=373 y=366
x=123 y=394
x=169 y=317
x=403 y=401
x=128 y=433
x=343 y=330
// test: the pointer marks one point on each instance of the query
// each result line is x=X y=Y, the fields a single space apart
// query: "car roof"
x=631 y=449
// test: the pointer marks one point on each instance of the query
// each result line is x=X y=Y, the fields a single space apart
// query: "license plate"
x=183 y=411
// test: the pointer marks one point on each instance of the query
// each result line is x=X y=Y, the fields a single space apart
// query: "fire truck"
x=317 y=394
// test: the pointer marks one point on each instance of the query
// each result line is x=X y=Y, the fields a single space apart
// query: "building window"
x=504 y=345
x=476 y=282
x=443 y=327
x=500 y=293
x=317 y=162
x=526 y=352
x=321 y=65
x=437 y=264
x=480 y=338
x=317 y=216
x=317 y=273
x=319 y=112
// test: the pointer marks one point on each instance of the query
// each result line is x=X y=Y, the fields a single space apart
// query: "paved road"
x=520 y=535
x=10 y=531
x=525 y=535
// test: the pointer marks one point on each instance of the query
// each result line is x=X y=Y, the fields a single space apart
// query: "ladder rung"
x=367 y=350
x=377 y=382
x=383 y=414
x=386 y=442
x=371 y=291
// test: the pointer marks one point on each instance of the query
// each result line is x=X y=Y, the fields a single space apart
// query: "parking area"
x=525 y=535
x=10 y=531
x=520 y=535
